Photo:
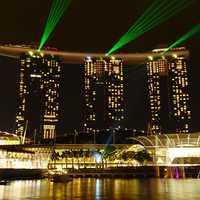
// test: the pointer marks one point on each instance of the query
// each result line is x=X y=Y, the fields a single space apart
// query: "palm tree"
x=72 y=158
x=65 y=155
x=108 y=150
x=107 y=153
x=54 y=157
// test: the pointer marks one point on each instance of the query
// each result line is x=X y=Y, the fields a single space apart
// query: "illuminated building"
x=104 y=93
x=9 y=139
x=169 y=101
x=38 y=96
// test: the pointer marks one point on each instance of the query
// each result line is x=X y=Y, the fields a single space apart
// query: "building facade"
x=104 y=93
x=38 y=96
x=169 y=101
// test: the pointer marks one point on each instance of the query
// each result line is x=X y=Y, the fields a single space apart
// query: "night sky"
x=93 y=25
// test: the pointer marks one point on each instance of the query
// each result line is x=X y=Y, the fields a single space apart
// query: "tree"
x=142 y=156
x=108 y=149
x=124 y=156
x=54 y=157
x=65 y=155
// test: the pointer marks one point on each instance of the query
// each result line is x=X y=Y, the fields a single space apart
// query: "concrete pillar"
x=183 y=172
x=157 y=169
x=170 y=172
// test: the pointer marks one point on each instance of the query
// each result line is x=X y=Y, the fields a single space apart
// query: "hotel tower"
x=104 y=93
x=168 y=86
x=38 y=96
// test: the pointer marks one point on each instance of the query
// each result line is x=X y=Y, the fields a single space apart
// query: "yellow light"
x=175 y=56
x=150 y=57
x=30 y=53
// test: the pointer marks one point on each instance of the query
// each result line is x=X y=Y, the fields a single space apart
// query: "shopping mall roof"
x=8 y=138
x=170 y=140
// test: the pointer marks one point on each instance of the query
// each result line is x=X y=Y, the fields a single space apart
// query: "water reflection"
x=137 y=189
x=98 y=189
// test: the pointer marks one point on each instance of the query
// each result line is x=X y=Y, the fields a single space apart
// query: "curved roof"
x=8 y=136
x=169 y=140
x=78 y=57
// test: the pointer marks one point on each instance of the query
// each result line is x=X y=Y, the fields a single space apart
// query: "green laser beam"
x=183 y=38
x=57 y=10
x=155 y=19
x=54 y=21
x=144 y=16
x=54 y=5
x=51 y=19
x=138 y=23
x=158 y=15
x=143 y=20
x=159 y=20
x=54 y=12
x=138 y=34
x=54 y=18
x=51 y=14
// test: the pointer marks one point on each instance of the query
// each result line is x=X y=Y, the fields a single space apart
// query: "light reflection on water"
x=136 y=189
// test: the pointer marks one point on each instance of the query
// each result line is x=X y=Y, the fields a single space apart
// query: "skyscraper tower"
x=169 y=102
x=38 y=96
x=104 y=93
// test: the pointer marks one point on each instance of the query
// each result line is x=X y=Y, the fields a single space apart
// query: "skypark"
x=15 y=51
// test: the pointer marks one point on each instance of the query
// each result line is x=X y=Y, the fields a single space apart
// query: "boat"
x=61 y=178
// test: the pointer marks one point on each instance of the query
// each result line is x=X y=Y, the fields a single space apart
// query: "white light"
x=183 y=152
x=89 y=58
x=35 y=76
x=97 y=157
